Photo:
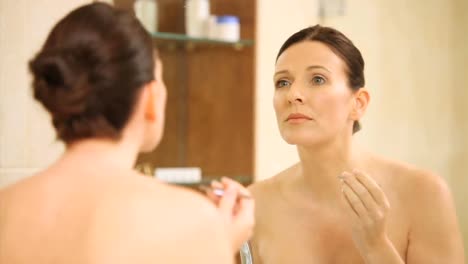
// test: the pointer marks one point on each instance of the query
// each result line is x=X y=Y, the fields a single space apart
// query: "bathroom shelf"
x=187 y=39
x=206 y=180
x=148 y=170
x=209 y=119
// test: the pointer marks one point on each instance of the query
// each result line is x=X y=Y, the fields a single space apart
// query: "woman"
x=340 y=204
x=100 y=79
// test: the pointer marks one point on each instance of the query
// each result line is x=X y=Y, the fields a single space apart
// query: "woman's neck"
x=102 y=153
x=320 y=167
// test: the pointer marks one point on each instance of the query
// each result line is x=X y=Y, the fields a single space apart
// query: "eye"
x=281 y=83
x=318 y=80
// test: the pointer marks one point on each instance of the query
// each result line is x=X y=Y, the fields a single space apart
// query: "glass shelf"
x=184 y=38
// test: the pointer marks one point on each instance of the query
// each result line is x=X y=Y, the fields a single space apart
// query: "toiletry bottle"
x=146 y=11
x=197 y=13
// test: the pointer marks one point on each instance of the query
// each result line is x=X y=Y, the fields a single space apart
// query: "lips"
x=298 y=116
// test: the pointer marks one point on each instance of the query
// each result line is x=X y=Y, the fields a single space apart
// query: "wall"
x=458 y=178
x=412 y=91
x=276 y=21
x=26 y=138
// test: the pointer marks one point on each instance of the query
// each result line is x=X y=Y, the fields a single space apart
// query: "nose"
x=295 y=96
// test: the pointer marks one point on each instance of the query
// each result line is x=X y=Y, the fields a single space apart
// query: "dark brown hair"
x=90 y=70
x=341 y=46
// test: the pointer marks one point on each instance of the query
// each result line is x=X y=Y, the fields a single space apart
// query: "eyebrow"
x=308 y=69
x=318 y=67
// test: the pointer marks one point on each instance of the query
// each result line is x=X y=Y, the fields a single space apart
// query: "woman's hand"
x=236 y=210
x=368 y=210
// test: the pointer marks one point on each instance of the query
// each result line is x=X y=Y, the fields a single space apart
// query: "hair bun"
x=58 y=84
x=51 y=69
x=90 y=70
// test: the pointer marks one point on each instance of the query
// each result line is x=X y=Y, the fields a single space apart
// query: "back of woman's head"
x=341 y=46
x=90 y=70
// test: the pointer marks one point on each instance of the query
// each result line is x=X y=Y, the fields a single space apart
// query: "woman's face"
x=312 y=101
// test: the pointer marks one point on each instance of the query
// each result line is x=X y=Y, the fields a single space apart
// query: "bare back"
x=302 y=232
x=73 y=216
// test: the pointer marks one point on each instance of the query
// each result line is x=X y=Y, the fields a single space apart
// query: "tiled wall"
x=276 y=21
x=27 y=141
x=458 y=177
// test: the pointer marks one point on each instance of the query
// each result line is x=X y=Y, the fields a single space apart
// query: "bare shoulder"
x=155 y=222
x=12 y=189
x=409 y=179
x=22 y=192
x=266 y=192
x=434 y=234
x=264 y=189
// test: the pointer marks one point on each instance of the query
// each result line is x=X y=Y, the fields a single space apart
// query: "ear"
x=361 y=101
x=150 y=110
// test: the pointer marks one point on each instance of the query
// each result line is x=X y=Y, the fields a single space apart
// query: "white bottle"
x=212 y=27
x=197 y=13
x=147 y=12
x=228 y=28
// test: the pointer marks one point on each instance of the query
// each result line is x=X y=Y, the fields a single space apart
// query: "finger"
x=213 y=197
x=243 y=192
x=354 y=202
x=373 y=187
x=360 y=190
x=246 y=215
x=230 y=182
x=208 y=192
x=246 y=208
x=349 y=210
x=217 y=185
x=228 y=200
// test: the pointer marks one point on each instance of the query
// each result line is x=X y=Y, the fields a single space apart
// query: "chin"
x=301 y=141
x=301 y=138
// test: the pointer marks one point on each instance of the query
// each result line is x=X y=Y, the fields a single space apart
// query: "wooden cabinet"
x=210 y=108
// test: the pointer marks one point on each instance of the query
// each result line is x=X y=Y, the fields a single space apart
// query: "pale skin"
x=92 y=207
x=341 y=204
